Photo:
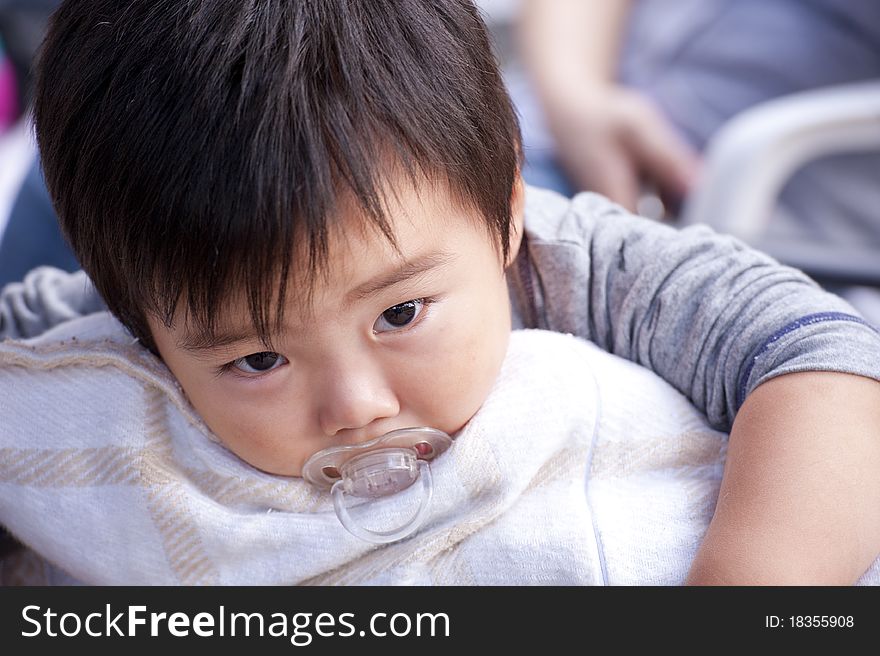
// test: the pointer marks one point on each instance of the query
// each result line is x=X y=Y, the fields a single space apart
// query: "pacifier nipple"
x=369 y=475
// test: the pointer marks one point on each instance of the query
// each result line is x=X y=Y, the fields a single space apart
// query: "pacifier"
x=373 y=471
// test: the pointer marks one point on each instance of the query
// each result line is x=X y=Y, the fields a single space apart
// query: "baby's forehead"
x=309 y=297
x=424 y=228
x=415 y=220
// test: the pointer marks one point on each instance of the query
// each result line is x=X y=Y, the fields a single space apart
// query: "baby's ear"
x=517 y=214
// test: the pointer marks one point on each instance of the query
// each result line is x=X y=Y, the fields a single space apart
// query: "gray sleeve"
x=708 y=314
x=45 y=298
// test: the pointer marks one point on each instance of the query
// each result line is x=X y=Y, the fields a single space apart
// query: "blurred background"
x=29 y=235
x=758 y=117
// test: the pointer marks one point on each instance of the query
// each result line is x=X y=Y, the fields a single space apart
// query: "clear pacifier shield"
x=369 y=475
x=324 y=468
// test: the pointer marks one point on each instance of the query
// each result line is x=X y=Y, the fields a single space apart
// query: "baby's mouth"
x=376 y=469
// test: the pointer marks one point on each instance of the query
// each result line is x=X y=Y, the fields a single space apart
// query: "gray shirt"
x=705 y=312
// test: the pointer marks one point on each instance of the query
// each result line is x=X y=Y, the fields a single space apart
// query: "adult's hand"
x=613 y=140
x=609 y=139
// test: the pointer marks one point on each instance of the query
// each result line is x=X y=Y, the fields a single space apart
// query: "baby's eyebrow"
x=201 y=343
x=198 y=342
x=409 y=269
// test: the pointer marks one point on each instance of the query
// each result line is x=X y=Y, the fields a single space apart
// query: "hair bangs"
x=199 y=150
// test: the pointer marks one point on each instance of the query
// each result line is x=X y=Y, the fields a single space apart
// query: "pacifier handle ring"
x=385 y=537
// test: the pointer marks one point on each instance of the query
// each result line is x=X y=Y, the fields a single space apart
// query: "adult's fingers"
x=663 y=154
x=605 y=168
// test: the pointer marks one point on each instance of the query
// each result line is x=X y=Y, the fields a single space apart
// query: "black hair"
x=193 y=147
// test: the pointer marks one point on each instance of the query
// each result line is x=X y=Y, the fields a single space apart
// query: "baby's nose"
x=355 y=401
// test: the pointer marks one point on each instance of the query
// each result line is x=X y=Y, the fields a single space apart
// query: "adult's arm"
x=568 y=43
x=800 y=498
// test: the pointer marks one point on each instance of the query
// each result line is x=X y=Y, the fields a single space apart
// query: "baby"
x=312 y=213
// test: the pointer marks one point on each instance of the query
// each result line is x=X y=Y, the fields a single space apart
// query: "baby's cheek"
x=463 y=375
x=255 y=437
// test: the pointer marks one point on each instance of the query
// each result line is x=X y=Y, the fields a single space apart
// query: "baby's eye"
x=400 y=315
x=258 y=363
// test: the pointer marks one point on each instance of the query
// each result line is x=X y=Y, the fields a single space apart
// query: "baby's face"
x=389 y=341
